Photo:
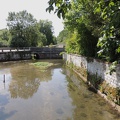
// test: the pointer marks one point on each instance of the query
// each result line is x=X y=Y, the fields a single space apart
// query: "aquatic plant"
x=42 y=65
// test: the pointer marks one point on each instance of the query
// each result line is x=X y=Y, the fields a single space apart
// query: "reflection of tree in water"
x=26 y=80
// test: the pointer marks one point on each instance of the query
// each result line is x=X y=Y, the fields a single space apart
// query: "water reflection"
x=23 y=84
x=4 y=100
x=26 y=80
x=55 y=94
x=5 y=116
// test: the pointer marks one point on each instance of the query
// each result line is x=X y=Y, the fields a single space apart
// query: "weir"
x=10 y=54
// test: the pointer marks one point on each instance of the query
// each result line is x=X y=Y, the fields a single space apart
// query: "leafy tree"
x=72 y=45
x=82 y=19
x=18 y=41
x=54 y=40
x=22 y=28
x=62 y=6
x=42 y=40
x=110 y=35
x=32 y=35
x=61 y=38
x=4 y=37
x=87 y=42
x=46 y=28
x=99 y=18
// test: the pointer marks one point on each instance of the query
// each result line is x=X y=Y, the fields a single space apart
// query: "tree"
x=61 y=38
x=62 y=6
x=22 y=28
x=72 y=45
x=18 y=41
x=4 y=37
x=42 y=40
x=46 y=28
x=54 y=40
x=32 y=35
x=99 y=18
x=109 y=41
x=81 y=19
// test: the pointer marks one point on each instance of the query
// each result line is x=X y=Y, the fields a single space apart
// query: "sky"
x=36 y=7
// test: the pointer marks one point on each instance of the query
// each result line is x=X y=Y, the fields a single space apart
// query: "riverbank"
x=95 y=73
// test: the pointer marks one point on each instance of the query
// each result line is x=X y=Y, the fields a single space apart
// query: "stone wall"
x=95 y=67
x=97 y=74
x=10 y=56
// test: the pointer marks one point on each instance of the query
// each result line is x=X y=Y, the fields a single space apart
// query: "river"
x=53 y=94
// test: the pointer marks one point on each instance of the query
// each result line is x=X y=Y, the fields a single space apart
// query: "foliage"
x=25 y=31
x=54 y=40
x=4 y=37
x=42 y=65
x=78 y=20
x=61 y=38
x=4 y=34
x=22 y=28
x=110 y=35
x=46 y=28
x=71 y=43
x=108 y=49
x=42 y=40
x=87 y=42
x=61 y=7
x=95 y=80
x=113 y=67
x=100 y=18
x=18 y=41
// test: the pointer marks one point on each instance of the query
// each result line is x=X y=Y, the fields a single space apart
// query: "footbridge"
x=10 y=54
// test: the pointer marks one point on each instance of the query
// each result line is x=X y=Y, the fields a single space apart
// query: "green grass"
x=42 y=65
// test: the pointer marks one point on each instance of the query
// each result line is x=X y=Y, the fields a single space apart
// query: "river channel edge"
x=111 y=103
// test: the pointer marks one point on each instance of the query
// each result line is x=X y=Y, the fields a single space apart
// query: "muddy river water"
x=53 y=94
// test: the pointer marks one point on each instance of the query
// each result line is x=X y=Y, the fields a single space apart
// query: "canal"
x=56 y=93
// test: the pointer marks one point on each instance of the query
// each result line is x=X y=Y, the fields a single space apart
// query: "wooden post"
x=4 y=79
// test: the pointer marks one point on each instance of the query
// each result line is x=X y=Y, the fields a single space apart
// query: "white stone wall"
x=95 y=66
x=76 y=60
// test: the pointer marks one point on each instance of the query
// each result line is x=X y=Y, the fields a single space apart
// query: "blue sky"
x=36 y=7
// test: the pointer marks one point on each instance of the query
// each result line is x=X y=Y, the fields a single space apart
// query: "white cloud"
x=36 y=7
